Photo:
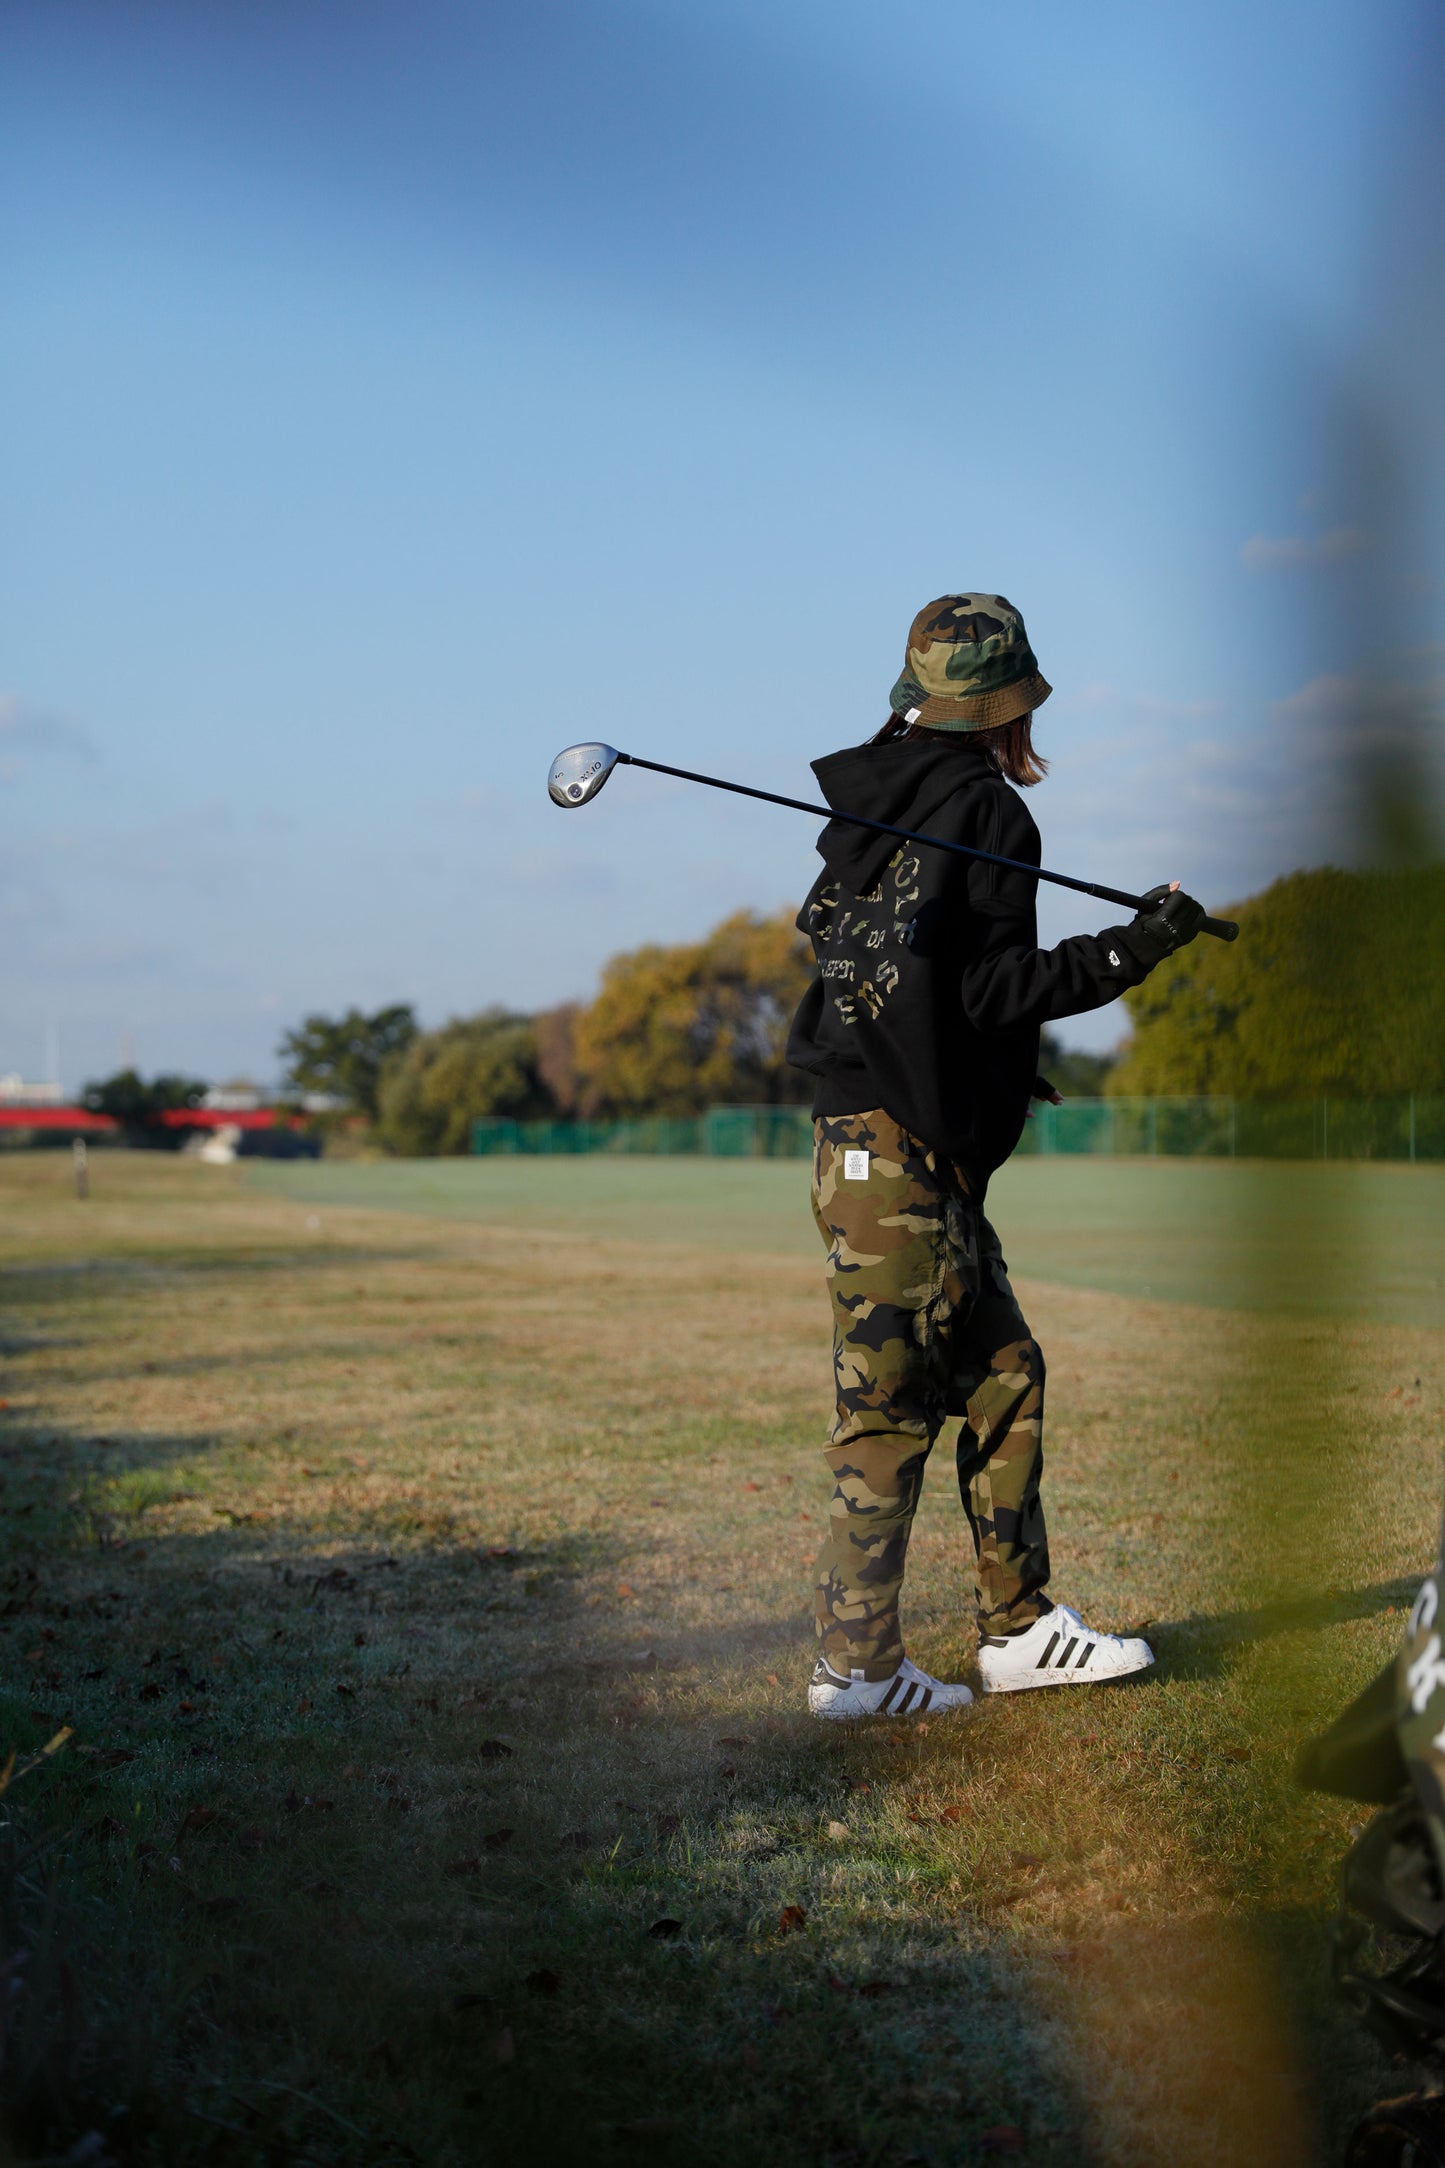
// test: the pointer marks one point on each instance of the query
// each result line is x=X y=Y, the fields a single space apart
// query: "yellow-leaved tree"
x=676 y=1030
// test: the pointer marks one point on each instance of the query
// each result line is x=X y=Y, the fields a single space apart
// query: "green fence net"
x=1408 y=1129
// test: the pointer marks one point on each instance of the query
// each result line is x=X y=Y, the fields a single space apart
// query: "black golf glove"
x=1171 y=917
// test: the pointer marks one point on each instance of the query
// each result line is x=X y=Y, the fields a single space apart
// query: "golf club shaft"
x=1223 y=929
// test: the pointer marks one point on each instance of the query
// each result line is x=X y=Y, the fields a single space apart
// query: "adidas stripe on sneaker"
x=1057 y=1650
x=910 y=1692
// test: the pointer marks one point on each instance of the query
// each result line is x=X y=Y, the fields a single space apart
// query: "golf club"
x=577 y=775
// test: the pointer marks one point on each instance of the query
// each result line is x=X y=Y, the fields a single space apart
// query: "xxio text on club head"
x=577 y=775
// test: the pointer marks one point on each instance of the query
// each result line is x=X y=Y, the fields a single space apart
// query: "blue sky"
x=394 y=395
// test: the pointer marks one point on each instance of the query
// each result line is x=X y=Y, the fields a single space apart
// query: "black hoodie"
x=931 y=988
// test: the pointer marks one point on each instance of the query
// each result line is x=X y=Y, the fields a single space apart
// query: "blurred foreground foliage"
x=1336 y=985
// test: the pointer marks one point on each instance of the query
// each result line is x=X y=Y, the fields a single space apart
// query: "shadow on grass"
x=393 y=1839
x=1199 y=1647
x=55 y=1280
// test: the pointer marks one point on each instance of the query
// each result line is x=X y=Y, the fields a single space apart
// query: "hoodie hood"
x=904 y=782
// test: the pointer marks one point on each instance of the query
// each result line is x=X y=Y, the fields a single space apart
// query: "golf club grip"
x=1223 y=929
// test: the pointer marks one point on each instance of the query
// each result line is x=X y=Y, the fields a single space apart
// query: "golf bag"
x=1388 y=1751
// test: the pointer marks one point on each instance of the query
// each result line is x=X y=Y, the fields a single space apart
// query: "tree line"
x=1335 y=986
x=672 y=1030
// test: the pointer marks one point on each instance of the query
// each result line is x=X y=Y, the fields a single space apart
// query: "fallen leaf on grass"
x=1002 y=2138
x=574 y=1840
x=772 y=1678
x=493 y=1749
x=495 y=1839
x=857 y=1784
x=198 y=1818
x=951 y=1814
x=304 y=1803
x=791 y=1920
x=665 y=1930
x=838 y=1831
x=668 y=1825
x=735 y=1740
x=459 y=1868
x=625 y=1588
x=304 y=1706
x=752 y=1486
x=321 y=1888
x=726 y=1769
x=1025 y=1859
x=542 y=1981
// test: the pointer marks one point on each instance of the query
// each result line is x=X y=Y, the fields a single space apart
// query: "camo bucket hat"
x=968 y=666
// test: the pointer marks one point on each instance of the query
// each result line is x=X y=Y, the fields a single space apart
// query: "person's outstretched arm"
x=1009 y=981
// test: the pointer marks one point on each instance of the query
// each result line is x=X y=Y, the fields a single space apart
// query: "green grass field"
x=1343 y=1240
x=421 y=1556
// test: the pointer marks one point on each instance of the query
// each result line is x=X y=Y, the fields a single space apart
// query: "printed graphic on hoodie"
x=859 y=971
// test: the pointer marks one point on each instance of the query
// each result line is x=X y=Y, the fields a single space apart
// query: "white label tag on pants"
x=855 y=1166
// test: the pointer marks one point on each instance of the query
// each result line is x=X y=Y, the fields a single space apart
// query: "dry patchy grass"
x=430 y=1603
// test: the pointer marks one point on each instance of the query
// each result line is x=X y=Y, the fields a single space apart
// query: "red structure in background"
x=77 y=1120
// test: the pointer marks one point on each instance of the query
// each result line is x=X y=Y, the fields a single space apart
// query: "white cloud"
x=1338 y=714
x=1140 y=708
x=1290 y=552
x=27 y=732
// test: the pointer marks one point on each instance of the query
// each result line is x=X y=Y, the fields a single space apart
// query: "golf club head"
x=576 y=776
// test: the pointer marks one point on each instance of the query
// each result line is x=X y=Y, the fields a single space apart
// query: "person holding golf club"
x=922 y=1027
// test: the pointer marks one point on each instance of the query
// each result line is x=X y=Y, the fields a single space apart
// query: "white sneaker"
x=908 y=1693
x=1057 y=1650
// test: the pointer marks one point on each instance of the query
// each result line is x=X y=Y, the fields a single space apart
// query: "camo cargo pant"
x=925 y=1325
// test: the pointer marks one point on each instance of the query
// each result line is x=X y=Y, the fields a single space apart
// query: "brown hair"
x=1010 y=746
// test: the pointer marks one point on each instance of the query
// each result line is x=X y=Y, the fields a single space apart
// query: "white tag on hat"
x=855 y=1166
x=912 y=715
